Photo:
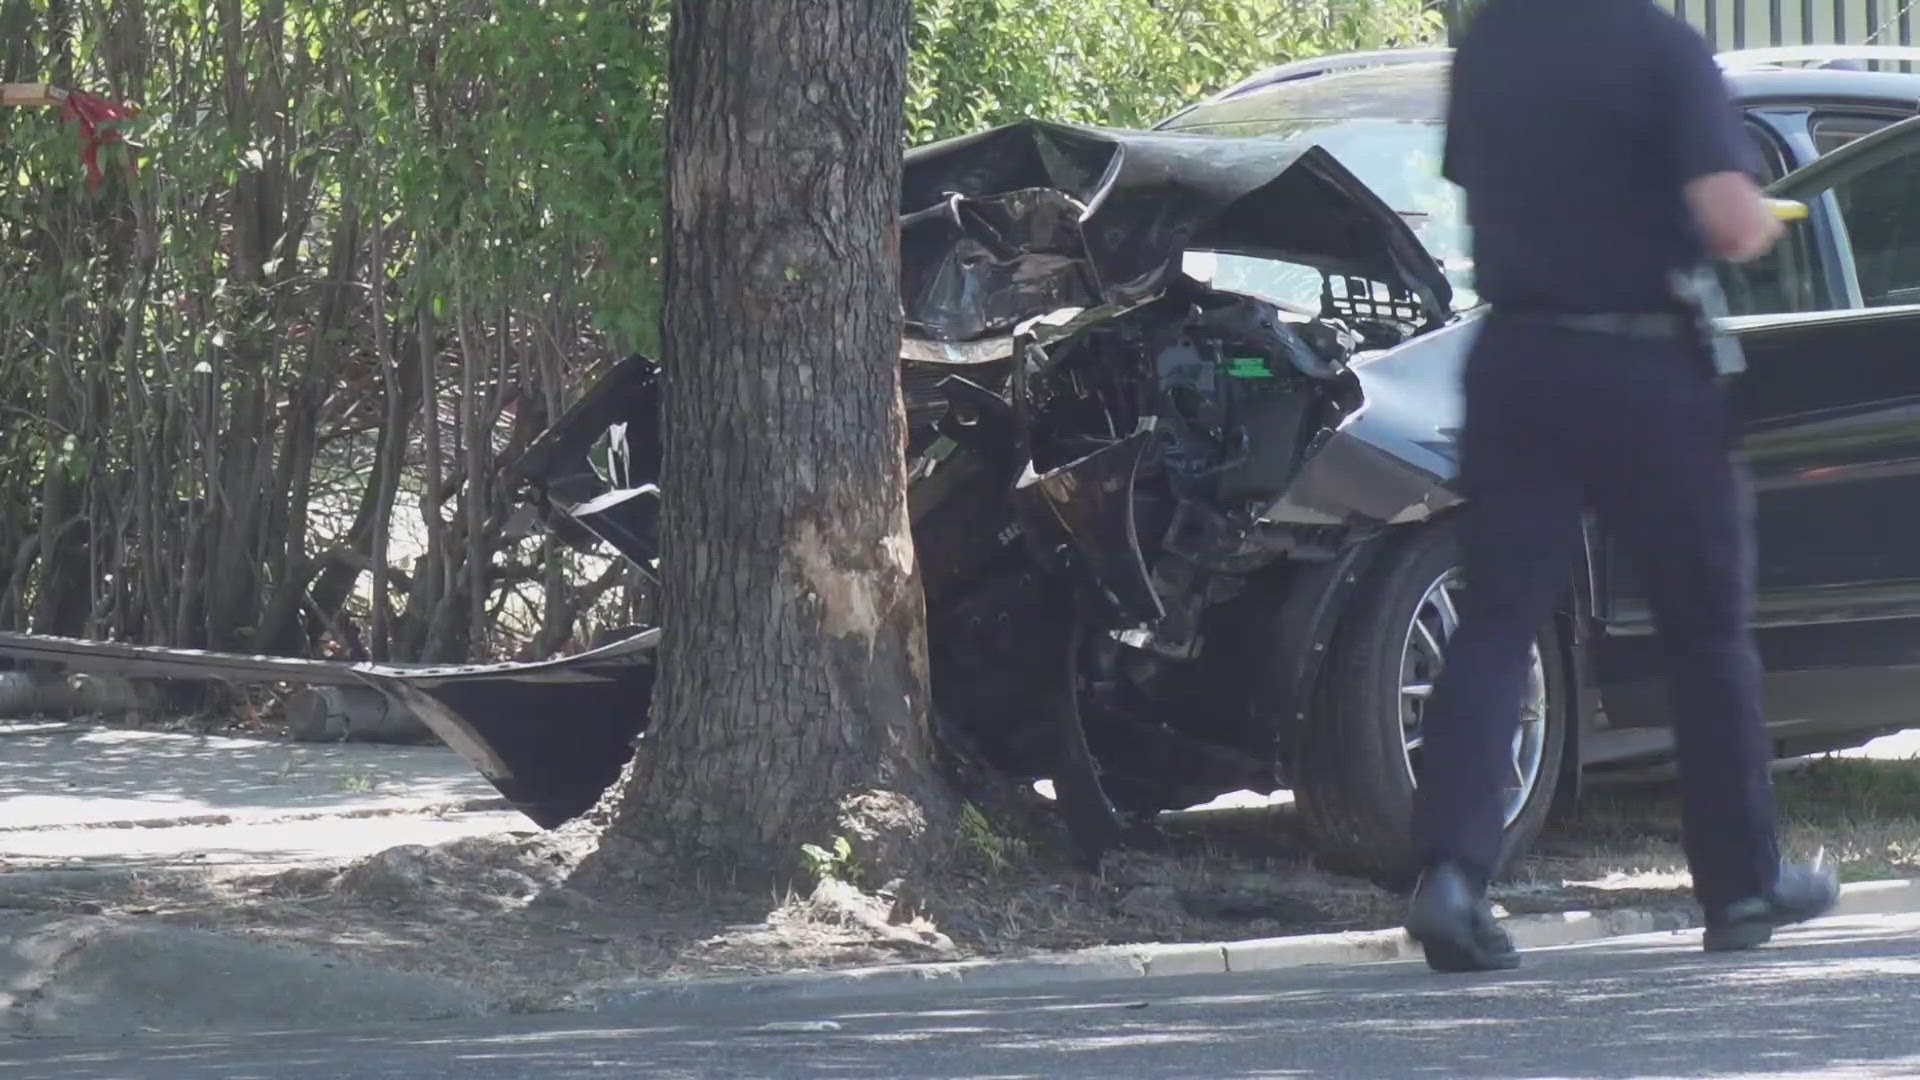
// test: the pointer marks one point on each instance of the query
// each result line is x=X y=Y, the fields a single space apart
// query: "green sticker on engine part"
x=1249 y=367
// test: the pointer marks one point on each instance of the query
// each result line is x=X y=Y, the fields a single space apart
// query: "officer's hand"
x=1771 y=231
x=1732 y=217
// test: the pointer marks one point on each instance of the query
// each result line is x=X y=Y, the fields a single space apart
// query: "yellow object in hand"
x=1788 y=209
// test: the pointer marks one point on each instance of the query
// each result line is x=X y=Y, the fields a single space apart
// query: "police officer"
x=1603 y=164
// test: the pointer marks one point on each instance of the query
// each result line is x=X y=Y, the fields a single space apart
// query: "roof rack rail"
x=1320 y=65
x=1333 y=62
x=1804 y=54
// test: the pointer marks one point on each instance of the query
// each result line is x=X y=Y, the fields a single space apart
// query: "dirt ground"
x=507 y=913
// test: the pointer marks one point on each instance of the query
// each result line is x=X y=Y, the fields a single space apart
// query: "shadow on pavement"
x=1836 y=1001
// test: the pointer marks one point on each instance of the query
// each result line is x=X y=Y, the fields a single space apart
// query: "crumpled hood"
x=1025 y=220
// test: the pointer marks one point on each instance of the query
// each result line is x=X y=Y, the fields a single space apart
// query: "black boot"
x=1453 y=923
x=1800 y=893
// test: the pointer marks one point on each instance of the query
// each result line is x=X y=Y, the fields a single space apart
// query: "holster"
x=1701 y=301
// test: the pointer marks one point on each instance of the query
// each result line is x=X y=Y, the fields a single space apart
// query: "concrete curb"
x=1215 y=958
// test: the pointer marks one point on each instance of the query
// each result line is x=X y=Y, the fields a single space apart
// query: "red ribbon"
x=91 y=112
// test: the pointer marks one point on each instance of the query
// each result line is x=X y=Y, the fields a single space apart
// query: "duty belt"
x=1646 y=325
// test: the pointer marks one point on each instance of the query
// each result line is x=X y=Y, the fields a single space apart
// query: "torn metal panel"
x=956 y=353
x=550 y=735
x=1032 y=217
x=1390 y=457
x=147 y=661
x=551 y=741
x=1088 y=505
x=593 y=474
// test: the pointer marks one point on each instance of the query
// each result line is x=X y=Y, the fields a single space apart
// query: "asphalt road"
x=1836 y=999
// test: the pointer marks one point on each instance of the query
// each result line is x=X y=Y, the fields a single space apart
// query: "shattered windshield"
x=1400 y=161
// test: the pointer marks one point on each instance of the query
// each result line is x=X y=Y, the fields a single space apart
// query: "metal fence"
x=1752 y=24
x=1755 y=24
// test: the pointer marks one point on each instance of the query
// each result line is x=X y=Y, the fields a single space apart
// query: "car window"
x=1286 y=284
x=1773 y=161
x=1882 y=219
x=1831 y=131
x=1783 y=280
x=1370 y=308
x=1399 y=160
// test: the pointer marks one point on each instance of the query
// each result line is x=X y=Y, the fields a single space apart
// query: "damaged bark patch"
x=889 y=833
x=899 y=548
x=853 y=600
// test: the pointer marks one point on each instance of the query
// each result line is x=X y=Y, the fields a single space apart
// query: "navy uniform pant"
x=1559 y=422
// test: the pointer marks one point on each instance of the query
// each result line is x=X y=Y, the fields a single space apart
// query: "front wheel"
x=1360 y=756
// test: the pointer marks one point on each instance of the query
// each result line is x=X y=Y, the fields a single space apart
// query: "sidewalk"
x=119 y=851
x=76 y=796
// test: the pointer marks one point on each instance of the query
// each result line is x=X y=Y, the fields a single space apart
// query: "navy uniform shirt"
x=1573 y=126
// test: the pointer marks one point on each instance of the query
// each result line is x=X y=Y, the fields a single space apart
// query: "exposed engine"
x=1219 y=373
x=1152 y=442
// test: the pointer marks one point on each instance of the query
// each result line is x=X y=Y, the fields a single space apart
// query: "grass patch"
x=1845 y=791
x=358 y=783
x=1864 y=813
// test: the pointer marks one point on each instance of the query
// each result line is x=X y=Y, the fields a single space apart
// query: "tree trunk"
x=282 y=629
x=793 y=702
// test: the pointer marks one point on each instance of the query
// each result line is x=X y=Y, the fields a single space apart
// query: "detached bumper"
x=551 y=736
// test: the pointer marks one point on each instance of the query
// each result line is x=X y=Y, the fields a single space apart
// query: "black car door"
x=1830 y=409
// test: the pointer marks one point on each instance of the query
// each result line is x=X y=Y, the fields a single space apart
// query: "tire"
x=1353 y=781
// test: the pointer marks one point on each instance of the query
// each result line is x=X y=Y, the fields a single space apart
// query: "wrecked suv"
x=1169 y=485
x=1168 y=532
x=1183 y=407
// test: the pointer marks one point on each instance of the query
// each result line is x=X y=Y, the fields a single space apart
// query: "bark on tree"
x=793 y=703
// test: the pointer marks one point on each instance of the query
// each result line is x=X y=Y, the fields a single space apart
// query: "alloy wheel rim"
x=1423 y=654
